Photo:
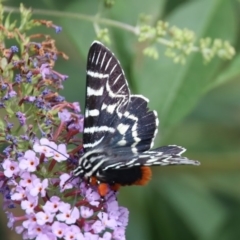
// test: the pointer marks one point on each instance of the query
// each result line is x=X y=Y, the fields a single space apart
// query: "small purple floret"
x=46 y=91
x=12 y=94
x=38 y=45
x=18 y=78
x=59 y=99
x=48 y=122
x=19 y=154
x=21 y=118
x=39 y=103
x=4 y=86
x=14 y=49
x=29 y=77
x=7 y=150
x=58 y=29
x=9 y=137
x=9 y=125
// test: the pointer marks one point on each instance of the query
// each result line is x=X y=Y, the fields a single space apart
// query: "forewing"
x=107 y=95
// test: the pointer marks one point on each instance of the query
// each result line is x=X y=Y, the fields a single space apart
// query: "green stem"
x=79 y=16
x=96 y=19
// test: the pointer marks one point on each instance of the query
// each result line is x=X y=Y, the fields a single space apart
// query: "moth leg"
x=103 y=188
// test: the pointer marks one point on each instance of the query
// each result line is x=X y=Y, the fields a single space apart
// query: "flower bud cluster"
x=182 y=42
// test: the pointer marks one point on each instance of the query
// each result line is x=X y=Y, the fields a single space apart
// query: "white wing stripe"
x=97 y=75
x=99 y=129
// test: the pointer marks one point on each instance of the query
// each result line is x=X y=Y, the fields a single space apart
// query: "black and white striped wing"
x=161 y=156
x=137 y=129
x=114 y=118
x=119 y=129
x=107 y=96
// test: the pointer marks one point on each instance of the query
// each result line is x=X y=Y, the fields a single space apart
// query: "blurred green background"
x=198 y=106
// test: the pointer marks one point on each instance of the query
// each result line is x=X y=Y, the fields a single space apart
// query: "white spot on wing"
x=122 y=128
x=134 y=150
x=93 y=113
x=121 y=142
x=104 y=106
x=111 y=108
x=93 y=92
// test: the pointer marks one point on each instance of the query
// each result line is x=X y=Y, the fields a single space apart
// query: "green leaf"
x=174 y=89
x=197 y=207
x=229 y=73
x=134 y=198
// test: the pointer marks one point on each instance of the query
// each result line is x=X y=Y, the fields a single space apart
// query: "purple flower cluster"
x=42 y=148
x=53 y=217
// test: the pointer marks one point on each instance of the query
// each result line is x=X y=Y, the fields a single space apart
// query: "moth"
x=119 y=129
